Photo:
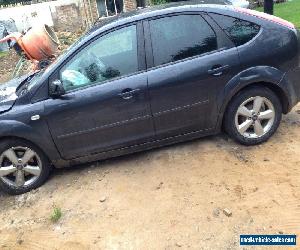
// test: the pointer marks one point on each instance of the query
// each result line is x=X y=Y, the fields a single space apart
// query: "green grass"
x=56 y=214
x=2 y=53
x=289 y=11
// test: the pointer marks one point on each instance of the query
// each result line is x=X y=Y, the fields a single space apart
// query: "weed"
x=56 y=214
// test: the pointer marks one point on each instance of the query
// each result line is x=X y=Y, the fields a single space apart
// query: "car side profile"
x=146 y=79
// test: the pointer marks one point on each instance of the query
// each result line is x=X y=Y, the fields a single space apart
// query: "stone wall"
x=67 y=18
x=89 y=12
x=94 y=10
x=27 y=16
x=129 y=5
x=74 y=17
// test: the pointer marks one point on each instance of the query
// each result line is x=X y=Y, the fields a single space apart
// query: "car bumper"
x=291 y=79
x=292 y=83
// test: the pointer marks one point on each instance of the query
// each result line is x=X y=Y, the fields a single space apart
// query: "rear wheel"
x=253 y=116
x=23 y=167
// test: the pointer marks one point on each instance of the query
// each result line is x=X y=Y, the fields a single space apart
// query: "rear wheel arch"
x=276 y=89
x=253 y=115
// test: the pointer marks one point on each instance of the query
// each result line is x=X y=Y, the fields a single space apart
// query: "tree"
x=269 y=7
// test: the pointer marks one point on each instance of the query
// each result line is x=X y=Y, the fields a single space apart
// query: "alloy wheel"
x=20 y=166
x=255 y=117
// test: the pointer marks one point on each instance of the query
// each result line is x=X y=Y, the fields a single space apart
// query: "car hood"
x=8 y=94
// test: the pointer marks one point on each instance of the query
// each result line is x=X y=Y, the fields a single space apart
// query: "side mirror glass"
x=57 y=88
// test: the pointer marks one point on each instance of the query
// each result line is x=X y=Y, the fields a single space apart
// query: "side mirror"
x=57 y=89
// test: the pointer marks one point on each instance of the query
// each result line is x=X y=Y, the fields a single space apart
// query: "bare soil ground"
x=7 y=65
x=166 y=198
x=195 y=195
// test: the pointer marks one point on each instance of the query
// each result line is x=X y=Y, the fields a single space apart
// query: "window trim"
x=187 y=59
x=149 y=46
x=222 y=38
x=237 y=46
x=140 y=56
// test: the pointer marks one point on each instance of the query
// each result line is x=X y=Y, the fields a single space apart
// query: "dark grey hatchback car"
x=146 y=79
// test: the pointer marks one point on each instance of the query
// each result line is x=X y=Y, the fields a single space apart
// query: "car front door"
x=106 y=103
x=189 y=59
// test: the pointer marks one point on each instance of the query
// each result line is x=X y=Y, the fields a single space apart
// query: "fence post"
x=269 y=7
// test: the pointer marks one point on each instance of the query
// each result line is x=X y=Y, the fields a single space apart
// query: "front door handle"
x=128 y=93
x=218 y=70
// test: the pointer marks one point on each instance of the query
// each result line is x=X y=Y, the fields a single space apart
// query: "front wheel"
x=23 y=167
x=253 y=115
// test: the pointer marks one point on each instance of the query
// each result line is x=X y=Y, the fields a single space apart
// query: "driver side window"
x=112 y=55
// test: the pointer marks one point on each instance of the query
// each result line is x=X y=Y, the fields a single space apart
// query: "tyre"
x=253 y=115
x=23 y=167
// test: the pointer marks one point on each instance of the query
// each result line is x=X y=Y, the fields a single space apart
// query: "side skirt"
x=134 y=148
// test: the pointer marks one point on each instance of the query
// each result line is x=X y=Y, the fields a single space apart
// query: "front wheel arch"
x=11 y=138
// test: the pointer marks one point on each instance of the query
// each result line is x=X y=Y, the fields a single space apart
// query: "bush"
x=158 y=2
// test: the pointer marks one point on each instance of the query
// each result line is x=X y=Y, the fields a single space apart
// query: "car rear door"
x=106 y=106
x=189 y=60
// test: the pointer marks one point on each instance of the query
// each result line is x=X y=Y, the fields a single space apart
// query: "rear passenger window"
x=178 y=37
x=238 y=30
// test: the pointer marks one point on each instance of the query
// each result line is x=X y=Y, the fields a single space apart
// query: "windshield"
x=34 y=79
x=26 y=82
x=58 y=59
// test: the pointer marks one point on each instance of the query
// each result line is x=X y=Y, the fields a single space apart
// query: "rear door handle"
x=128 y=93
x=218 y=70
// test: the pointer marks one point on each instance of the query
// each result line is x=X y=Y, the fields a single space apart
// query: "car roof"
x=152 y=11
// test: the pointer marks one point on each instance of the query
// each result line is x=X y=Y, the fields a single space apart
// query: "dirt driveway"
x=166 y=198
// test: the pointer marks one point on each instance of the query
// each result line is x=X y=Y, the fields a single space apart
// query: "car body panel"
x=180 y=103
x=18 y=123
x=98 y=119
x=135 y=148
x=182 y=92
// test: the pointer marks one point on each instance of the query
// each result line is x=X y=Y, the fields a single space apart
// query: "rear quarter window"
x=239 y=31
